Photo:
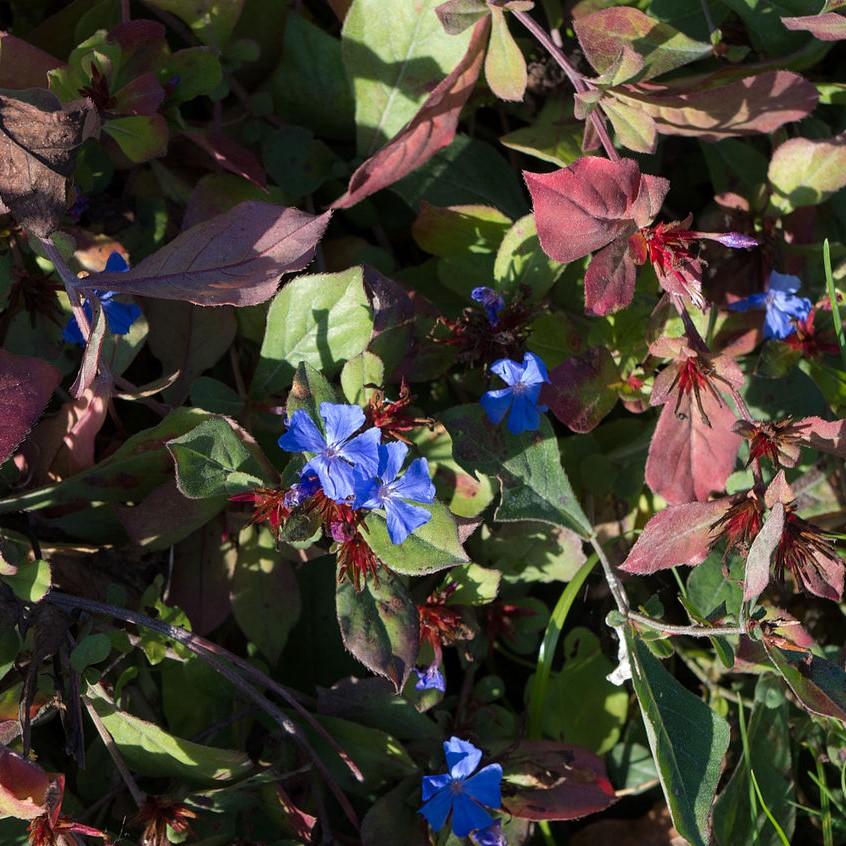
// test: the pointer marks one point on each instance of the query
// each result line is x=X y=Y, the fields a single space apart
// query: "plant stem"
x=686 y=631
x=576 y=79
x=138 y=795
x=614 y=584
x=70 y=282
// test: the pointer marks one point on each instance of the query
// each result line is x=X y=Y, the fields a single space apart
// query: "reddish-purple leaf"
x=583 y=207
x=689 y=460
x=24 y=787
x=680 y=534
x=141 y=96
x=235 y=258
x=22 y=65
x=755 y=104
x=554 y=782
x=824 y=435
x=581 y=390
x=431 y=129
x=827 y=27
x=610 y=279
x=757 y=575
x=26 y=385
x=230 y=155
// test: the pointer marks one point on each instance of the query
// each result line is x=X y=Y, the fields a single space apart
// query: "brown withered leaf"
x=38 y=144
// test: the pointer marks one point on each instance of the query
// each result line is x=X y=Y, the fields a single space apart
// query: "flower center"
x=519 y=388
x=456 y=786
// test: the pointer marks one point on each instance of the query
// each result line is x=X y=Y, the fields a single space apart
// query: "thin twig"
x=71 y=282
x=686 y=631
x=576 y=79
x=138 y=795
x=614 y=584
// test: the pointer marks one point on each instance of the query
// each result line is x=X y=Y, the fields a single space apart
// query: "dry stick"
x=209 y=652
x=138 y=795
x=576 y=79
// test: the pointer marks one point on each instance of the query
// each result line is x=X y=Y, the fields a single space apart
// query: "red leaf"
x=142 y=96
x=824 y=435
x=26 y=385
x=24 y=787
x=688 y=460
x=580 y=392
x=235 y=258
x=22 y=65
x=610 y=279
x=827 y=27
x=757 y=575
x=431 y=129
x=589 y=204
x=680 y=534
x=230 y=155
x=571 y=782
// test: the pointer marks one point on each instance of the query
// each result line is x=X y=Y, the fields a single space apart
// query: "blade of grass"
x=540 y=682
x=832 y=296
x=825 y=804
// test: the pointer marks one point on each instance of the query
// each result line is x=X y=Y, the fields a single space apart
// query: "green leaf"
x=554 y=136
x=308 y=390
x=688 y=742
x=379 y=626
x=140 y=137
x=533 y=484
x=92 y=649
x=212 y=21
x=323 y=320
x=766 y=32
x=635 y=129
x=458 y=15
x=432 y=547
x=30 y=581
x=472 y=585
x=265 y=594
x=216 y=397
x=534 y=552
x=392 y=51
x=366 y=369
x=151 y=751
x=521 y=261
x=804 y=172
x=454 y=231
x=211 y=460
x=770 y=761
x=197 y=70
x=296 y=161
x=505 y=66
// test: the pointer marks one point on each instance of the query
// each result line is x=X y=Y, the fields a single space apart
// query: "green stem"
x=835 y=306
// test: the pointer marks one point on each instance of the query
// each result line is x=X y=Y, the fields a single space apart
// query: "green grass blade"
x=546 y=653
x=832 y=296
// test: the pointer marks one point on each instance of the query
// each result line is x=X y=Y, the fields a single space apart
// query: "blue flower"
x=781 y=304
x=307 y=486
x=430 y=678
x=338 y=451
x=461 y=792
x=387 y=490
x=491 y=836
x=520 y=399
x=492 y=303
x=119 y=316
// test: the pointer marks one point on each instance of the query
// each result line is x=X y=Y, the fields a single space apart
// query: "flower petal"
x=340 y=421
x=115 y=263
x=751 y=302
x=430 y=678
x=509 y=371
x=363 y=451
x=524 y=415
x=432 y=784
x=462 y=757
x=415 y=483
x=485 y=786
x=337 y=477
x=403 y=518
x=534 y=370
x=496 y=403
x=784 y=282
x=391 y=458
x=367 y=492
x=468 y=816
x=302 y=435
x=437 y=809
x=120 y=316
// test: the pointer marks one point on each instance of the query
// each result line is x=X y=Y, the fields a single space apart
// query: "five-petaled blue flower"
x=390 y=491
x=461 y=792
x=520 y=399
x=119 y=316
x=340 y=452
x=492 y=303
x=430 y=678
x=781 y=304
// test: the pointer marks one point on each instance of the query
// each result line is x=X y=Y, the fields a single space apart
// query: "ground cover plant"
x=422 y=422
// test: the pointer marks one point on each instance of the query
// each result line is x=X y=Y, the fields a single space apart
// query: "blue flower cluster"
x=465 y=794
x=781 y=305
x=520 y=399
x=119 y=316
x=353 y=466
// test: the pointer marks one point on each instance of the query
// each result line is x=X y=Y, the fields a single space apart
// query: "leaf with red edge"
x=24 y=787
x=583 y=207
x=680 y=534
x=610 y=279
x=545 y=780
x=26 y=385
x=689 y=460
x=235 y=258
x=142 y=96
x=457 y=15
x=757 y=575
x=431 y=129
x=711 y=112
x=825 y=435
x=581 y=390
x=827 y=27
x=819 y=685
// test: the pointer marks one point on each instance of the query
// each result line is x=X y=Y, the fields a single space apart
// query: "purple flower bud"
x=735 y=240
